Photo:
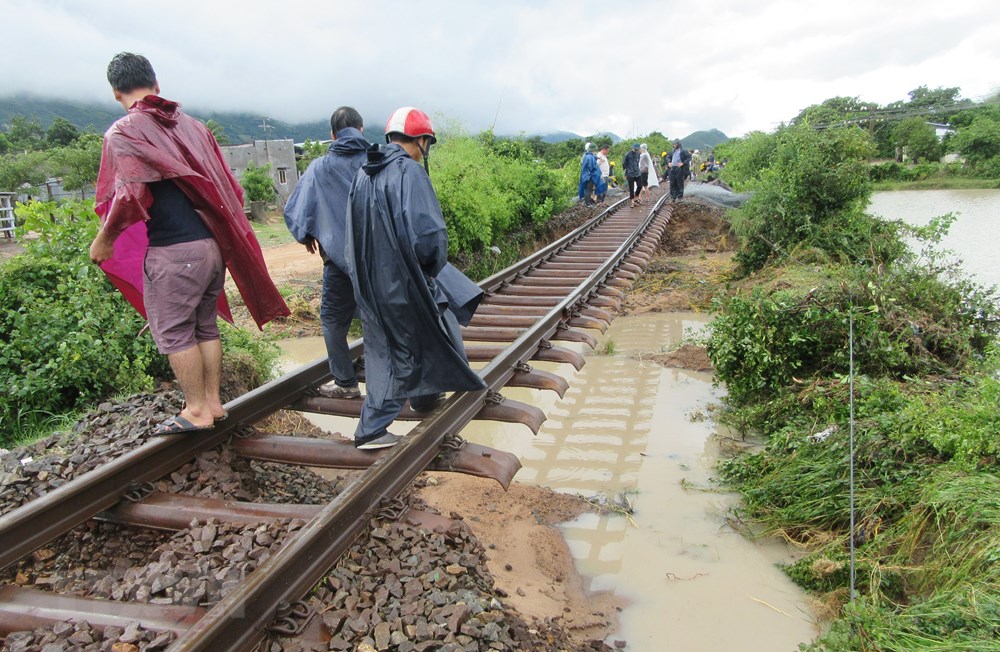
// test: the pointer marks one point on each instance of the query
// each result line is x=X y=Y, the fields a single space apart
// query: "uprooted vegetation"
x=816 y=314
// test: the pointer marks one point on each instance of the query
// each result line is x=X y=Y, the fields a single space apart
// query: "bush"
x=490 y=190
x=68 y=337
x=257 y=183
x=907 y=321
x=806 y=184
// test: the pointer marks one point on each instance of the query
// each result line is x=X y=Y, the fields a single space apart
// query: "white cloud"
x=665 y=65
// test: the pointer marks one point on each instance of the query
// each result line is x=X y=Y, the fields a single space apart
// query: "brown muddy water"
x=630 y=431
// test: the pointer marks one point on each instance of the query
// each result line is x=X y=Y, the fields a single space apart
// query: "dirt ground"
x=528 y=556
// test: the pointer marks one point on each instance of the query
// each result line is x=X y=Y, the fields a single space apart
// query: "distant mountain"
x=704 y=140
x=239 y=127
x=246 y=127
x=559 y=136
x=84 y=116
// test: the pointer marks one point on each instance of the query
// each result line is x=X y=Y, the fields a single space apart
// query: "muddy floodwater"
x=634 y=432
x=973 y=238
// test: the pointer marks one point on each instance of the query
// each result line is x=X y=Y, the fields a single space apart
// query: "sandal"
x=178 y=426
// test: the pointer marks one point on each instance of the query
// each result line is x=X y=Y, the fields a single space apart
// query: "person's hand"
x=310 y=245
x=101 y=249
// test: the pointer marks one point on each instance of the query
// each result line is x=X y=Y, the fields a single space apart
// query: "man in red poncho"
x=172 y=223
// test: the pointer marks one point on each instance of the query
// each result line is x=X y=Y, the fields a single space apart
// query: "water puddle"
x=630 y=428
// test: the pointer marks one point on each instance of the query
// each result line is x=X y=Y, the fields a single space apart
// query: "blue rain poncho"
x=317 y=208
x=590 y=171
x=397 y=244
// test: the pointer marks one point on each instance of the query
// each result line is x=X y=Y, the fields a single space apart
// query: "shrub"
x=805 y=183
x=906 y=321
x=68 y=337
x=490 y=190
x=257 y=183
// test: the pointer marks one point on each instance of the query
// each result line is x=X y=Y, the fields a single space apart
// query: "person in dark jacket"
x=680 y=159
x=316 y=215
x=397 y=245
x=631 y=166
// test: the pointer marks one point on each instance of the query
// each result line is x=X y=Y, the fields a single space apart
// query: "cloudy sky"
x=523 y=66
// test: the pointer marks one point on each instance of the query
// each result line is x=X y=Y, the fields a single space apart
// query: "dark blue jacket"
x=631 y=163
x=589 y=171
x=397 y=244
x=317 y=208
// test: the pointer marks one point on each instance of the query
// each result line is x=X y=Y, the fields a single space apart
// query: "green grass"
x=273 y=232
x=940 y=183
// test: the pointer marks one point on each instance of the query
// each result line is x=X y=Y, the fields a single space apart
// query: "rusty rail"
x=241 y=619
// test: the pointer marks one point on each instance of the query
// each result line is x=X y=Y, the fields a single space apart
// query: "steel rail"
x=32 y=525
x=239 y=621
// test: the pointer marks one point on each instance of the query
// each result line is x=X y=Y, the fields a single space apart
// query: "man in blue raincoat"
x=590 y=176
x=316 y=213
x=397 y=245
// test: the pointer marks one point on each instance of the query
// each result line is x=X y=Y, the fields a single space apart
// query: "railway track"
x=558 y=294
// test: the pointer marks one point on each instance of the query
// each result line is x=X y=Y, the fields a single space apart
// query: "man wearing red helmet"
x=397 y=246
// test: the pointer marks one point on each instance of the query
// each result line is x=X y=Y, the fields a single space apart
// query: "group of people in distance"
x=173 y=223
x=640 y=170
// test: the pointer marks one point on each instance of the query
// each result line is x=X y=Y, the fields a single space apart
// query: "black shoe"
x=425 y=404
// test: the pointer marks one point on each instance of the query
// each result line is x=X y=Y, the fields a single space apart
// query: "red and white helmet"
x=410 y=122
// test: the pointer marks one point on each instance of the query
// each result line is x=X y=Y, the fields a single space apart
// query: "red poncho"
x=156 y=141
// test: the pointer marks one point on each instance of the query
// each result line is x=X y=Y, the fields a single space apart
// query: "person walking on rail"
x=590 y=176
x=172 y=222
x=679 y=159
x=397 y=245
x=631 y=166
x=652 y=175
x=605 y=167
x=316 y=214
x=647 y=170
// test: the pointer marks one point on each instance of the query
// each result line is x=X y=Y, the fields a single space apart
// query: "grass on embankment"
x=927 y=444
x=940 y=183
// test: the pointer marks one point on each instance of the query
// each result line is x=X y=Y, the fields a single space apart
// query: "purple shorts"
x=181 y=285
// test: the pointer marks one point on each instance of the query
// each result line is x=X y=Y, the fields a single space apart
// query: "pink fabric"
x=157 y=141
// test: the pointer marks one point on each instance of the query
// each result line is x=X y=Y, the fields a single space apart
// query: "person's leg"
x=181 y=287
x=206 y=330
x=189 y=369
x=211 y=359
x=336 y=312
x=375 y=421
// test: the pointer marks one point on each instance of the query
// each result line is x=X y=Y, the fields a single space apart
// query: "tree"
x=24 y=134
x=218 y=131
x=836 y=111
x=918 y=138
x=936 y=105
x=79 y=163
x=61 y=133
x=257 y=183
x=980 y=141
x=21 y=168
x=311 y=150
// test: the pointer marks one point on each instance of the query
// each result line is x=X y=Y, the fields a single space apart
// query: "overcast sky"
x=523 y=66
